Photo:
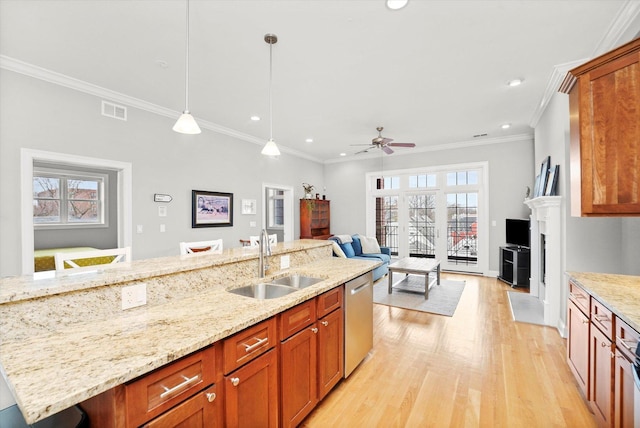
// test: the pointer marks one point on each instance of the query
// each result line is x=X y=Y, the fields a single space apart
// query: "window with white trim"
x=65 y=199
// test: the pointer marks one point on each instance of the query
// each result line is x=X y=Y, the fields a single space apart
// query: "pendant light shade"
x=270 y=149
x=186 y=124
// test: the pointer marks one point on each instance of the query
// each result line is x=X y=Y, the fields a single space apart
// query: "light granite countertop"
x=619 y=293
x=51 y=371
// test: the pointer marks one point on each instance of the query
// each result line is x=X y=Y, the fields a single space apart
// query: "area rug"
x=526 y=308
x=443 y=298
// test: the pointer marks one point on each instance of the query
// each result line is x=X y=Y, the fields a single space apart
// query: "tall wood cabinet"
x=315 y=219
x=604 y=103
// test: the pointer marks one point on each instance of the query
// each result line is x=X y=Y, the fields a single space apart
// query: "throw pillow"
x=337 y=250
x=369 y=245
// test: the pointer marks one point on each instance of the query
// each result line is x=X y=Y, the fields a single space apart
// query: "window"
x=275 y=212
x=68 y=198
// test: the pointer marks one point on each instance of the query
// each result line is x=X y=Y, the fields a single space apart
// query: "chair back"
x=254 y=241
x=89 y=258
x=212 y=246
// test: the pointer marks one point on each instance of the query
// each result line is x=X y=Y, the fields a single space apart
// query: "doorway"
x=277 y=211
x=124 y=195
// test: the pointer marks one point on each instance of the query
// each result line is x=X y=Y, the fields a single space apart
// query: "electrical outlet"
x=284 y=262
x=134 y=295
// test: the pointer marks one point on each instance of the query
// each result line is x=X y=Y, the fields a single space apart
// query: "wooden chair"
x=90 y=258
x=254 y=241
x=213 y=246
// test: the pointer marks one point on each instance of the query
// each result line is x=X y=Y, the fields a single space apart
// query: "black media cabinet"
x=515 y=267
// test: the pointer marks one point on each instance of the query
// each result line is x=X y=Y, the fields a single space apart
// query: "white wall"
x=43 y=116
x=510 y=172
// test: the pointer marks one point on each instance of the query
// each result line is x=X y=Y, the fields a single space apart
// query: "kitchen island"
x=64 y=337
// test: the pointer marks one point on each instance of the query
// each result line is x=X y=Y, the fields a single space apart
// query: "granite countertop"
x=619 y=293
x=55 y=370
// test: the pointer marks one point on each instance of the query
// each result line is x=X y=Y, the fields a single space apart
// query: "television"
x=517 y=231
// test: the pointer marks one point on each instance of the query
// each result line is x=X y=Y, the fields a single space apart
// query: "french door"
x=433 y=214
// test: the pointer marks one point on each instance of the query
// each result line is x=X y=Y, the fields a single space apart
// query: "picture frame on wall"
x=248 y=206
x=552 y=182
x=211 y=209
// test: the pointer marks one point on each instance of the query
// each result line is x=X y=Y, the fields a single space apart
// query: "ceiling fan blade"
x=402 y=144
x=386 y=140
x=363 y=151
x=387 y=150
x=361 y=145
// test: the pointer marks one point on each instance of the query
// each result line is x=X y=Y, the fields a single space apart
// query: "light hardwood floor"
x=478 y=368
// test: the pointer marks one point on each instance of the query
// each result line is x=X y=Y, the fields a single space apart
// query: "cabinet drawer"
x=330 y=301
x=202 y=410
x=295 y=319
x=580 y=297
x=626 y=339
x=248 y=344
x=154 y=393
x=602 y=318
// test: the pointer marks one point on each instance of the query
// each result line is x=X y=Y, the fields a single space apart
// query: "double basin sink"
x=277 y=287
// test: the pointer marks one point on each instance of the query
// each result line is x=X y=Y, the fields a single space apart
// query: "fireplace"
x=546 y=257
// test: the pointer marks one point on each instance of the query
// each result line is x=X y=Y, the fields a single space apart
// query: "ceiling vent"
x=114 y=110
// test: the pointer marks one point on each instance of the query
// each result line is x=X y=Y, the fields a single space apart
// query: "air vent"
x=480 y=135
x=114 y=110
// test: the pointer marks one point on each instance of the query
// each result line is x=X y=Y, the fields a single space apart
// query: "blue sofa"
x=353 y=249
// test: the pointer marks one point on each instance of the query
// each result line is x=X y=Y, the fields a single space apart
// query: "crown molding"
x=27 y=69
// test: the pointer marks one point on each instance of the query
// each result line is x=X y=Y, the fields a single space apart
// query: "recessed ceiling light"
x=309 y=140
x=396 y=4
x=515 y=82
x=255 y=118
x=506 y=126
x=343 y=154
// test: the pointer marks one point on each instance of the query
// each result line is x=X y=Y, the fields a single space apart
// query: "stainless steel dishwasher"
x=358 y=321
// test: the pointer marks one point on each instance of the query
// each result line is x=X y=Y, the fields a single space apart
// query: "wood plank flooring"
x=478 y=368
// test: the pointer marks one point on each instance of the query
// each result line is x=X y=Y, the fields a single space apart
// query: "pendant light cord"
x=270 y=91
x=186 y=67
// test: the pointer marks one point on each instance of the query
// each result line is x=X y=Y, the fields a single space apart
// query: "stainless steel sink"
x=297 y=281
x=263 y=291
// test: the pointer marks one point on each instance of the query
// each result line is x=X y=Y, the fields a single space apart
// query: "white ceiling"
x=433 y=73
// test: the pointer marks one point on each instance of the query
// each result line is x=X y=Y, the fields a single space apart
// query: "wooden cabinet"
x=164 y=397
x=312 y=356
x=251 y=377
x=315 y=219
x=626 y=343
x=578 y=346
x=601 y=371
x=604 y=103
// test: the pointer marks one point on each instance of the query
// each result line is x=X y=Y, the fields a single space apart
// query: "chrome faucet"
x=264 y=264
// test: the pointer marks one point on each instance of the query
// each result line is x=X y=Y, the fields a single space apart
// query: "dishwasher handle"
x=359 y=288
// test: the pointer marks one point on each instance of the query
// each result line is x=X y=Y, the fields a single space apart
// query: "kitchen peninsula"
x=65 y=338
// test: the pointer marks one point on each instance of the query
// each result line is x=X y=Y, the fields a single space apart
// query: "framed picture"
x=552 y=182
x=211 y=209
x=248 y=206
x=544 y=175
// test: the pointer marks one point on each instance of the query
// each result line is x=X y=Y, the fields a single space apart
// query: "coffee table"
x=416 y=266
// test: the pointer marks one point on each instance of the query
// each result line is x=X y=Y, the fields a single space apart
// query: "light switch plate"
x=162 y=211
x=284 y=262
x=134 y=295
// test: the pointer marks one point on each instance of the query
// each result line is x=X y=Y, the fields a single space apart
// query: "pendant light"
x=186 y=124
x=270 y=149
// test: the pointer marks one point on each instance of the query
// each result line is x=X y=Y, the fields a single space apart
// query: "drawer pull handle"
x=260 y=342
x=235 y=381
x=187 y=381
x=604 y=345
x=626 y=345
x=601 y=317
x=324 y=323
x=585 y=321
x=314 y=329
x=211 y=396
x=576 y=296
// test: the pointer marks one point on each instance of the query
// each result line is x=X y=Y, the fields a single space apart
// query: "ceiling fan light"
x=270 y=149
x=186 y=124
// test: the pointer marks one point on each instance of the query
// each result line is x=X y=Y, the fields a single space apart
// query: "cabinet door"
x=298 y=380
x=578 y=346
x=601 y=380
x=200 y=411
x=609 y=135
x=623 y=392
x=330 y=351
x=251 y=393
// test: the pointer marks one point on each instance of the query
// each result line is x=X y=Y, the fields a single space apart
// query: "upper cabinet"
x=604 y=104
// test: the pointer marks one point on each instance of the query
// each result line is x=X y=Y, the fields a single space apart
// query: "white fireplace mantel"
x=546 y=220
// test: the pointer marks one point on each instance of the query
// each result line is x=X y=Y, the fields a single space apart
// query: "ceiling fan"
x=383 y=143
